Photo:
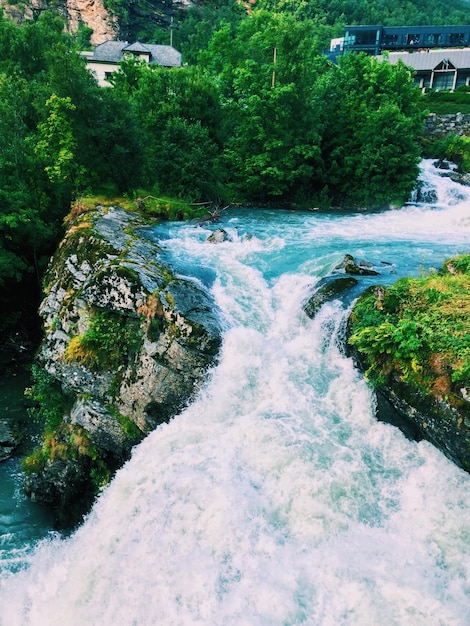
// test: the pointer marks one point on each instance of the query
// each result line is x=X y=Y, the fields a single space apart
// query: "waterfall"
x=276 y=497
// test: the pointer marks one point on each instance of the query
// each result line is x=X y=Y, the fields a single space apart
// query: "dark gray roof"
x=114 y=51
x=459 y=58
x=136 y=47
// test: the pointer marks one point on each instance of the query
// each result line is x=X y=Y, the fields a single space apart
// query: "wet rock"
x=424 y=416
x=328 y=289
x=218 y=236
x=351 y=266
x=10 y=438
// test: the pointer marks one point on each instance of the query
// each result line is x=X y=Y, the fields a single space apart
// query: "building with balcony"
x=374 y=40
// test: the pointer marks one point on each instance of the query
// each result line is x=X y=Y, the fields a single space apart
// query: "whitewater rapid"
x=275 y=498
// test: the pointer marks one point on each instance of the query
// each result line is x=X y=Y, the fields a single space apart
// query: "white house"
x=105 y=58
x=438 y=69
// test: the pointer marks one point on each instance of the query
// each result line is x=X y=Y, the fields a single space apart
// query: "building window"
x=456 y=39
x=390 y=40
x=107 y=75
x=366 y=37
x=433 y=39
x=443 y=80
x=412 y=39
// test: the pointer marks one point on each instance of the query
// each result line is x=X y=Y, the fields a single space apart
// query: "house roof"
x=136 y=47
x=113 y=52
x=459 y=58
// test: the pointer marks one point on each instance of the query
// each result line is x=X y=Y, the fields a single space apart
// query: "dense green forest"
x=151 y=20
x=257 y=114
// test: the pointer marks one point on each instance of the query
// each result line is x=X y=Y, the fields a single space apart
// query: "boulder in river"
x=126 y=345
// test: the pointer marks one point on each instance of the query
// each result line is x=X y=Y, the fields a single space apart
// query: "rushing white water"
x=275 y=498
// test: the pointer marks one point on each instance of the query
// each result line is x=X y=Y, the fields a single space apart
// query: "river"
x=276 y=498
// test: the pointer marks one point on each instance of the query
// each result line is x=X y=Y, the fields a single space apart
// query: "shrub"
x=110 y=339
x=418 y=329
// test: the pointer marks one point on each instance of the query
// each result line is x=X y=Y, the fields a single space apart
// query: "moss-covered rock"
x=413 y=342
x=126 y=345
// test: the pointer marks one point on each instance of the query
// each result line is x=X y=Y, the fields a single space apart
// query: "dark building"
x=376 y=39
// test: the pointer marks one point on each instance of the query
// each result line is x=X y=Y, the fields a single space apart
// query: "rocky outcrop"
x=417 y=393
x=218 y=236
x=126 y=345
x=328 y=289
x=360 y=268
x=439 y=126
x=91 y=13
x=421 y=415
x=128 y=22
x=339 y=286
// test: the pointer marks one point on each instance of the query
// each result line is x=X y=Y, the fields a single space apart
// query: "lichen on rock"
x=127 y=343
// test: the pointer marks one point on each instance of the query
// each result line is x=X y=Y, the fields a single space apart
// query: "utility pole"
x=274 y=68
x=171 y=31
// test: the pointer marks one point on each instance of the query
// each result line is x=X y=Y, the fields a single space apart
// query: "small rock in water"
x=350 y=266
x=328 y=289
x=218 y=236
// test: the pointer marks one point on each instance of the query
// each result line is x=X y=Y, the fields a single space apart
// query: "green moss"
x=155 y=327
x=66 y=442
x=129 y=427
x=142 y=202
x=110 y=340
x=418 y=329
x=50 y=403
x=452 y=147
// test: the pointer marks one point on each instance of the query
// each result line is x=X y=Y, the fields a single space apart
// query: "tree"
x=265 y=73
x=55 y=144
x=370 y=145
x=178 y=112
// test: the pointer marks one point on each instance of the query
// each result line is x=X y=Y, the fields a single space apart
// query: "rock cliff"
x=91 y=13
x=127 y=21
x=126 y=344
x=423 y=415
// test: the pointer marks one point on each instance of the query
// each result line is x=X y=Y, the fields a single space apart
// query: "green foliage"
x=418 y=329
x=371 y=141
x=83 y=36
x=266 y=72
x=181 y=134
x=447 y=102
x=55 y=144
x=111 y=339
x=129 y=427
x=50 y=403
x=202 y=21
x=452 y=147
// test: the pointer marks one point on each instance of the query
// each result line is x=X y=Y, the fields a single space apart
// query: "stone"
x=108 y=267
x=218 y=236
x=328 y=289
x=351 y=266
x=9 y=439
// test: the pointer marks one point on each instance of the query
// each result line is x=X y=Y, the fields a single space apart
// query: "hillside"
x=152 y=20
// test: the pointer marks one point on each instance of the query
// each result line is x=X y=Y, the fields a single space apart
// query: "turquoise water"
x=275 y=498
x=22 y=523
